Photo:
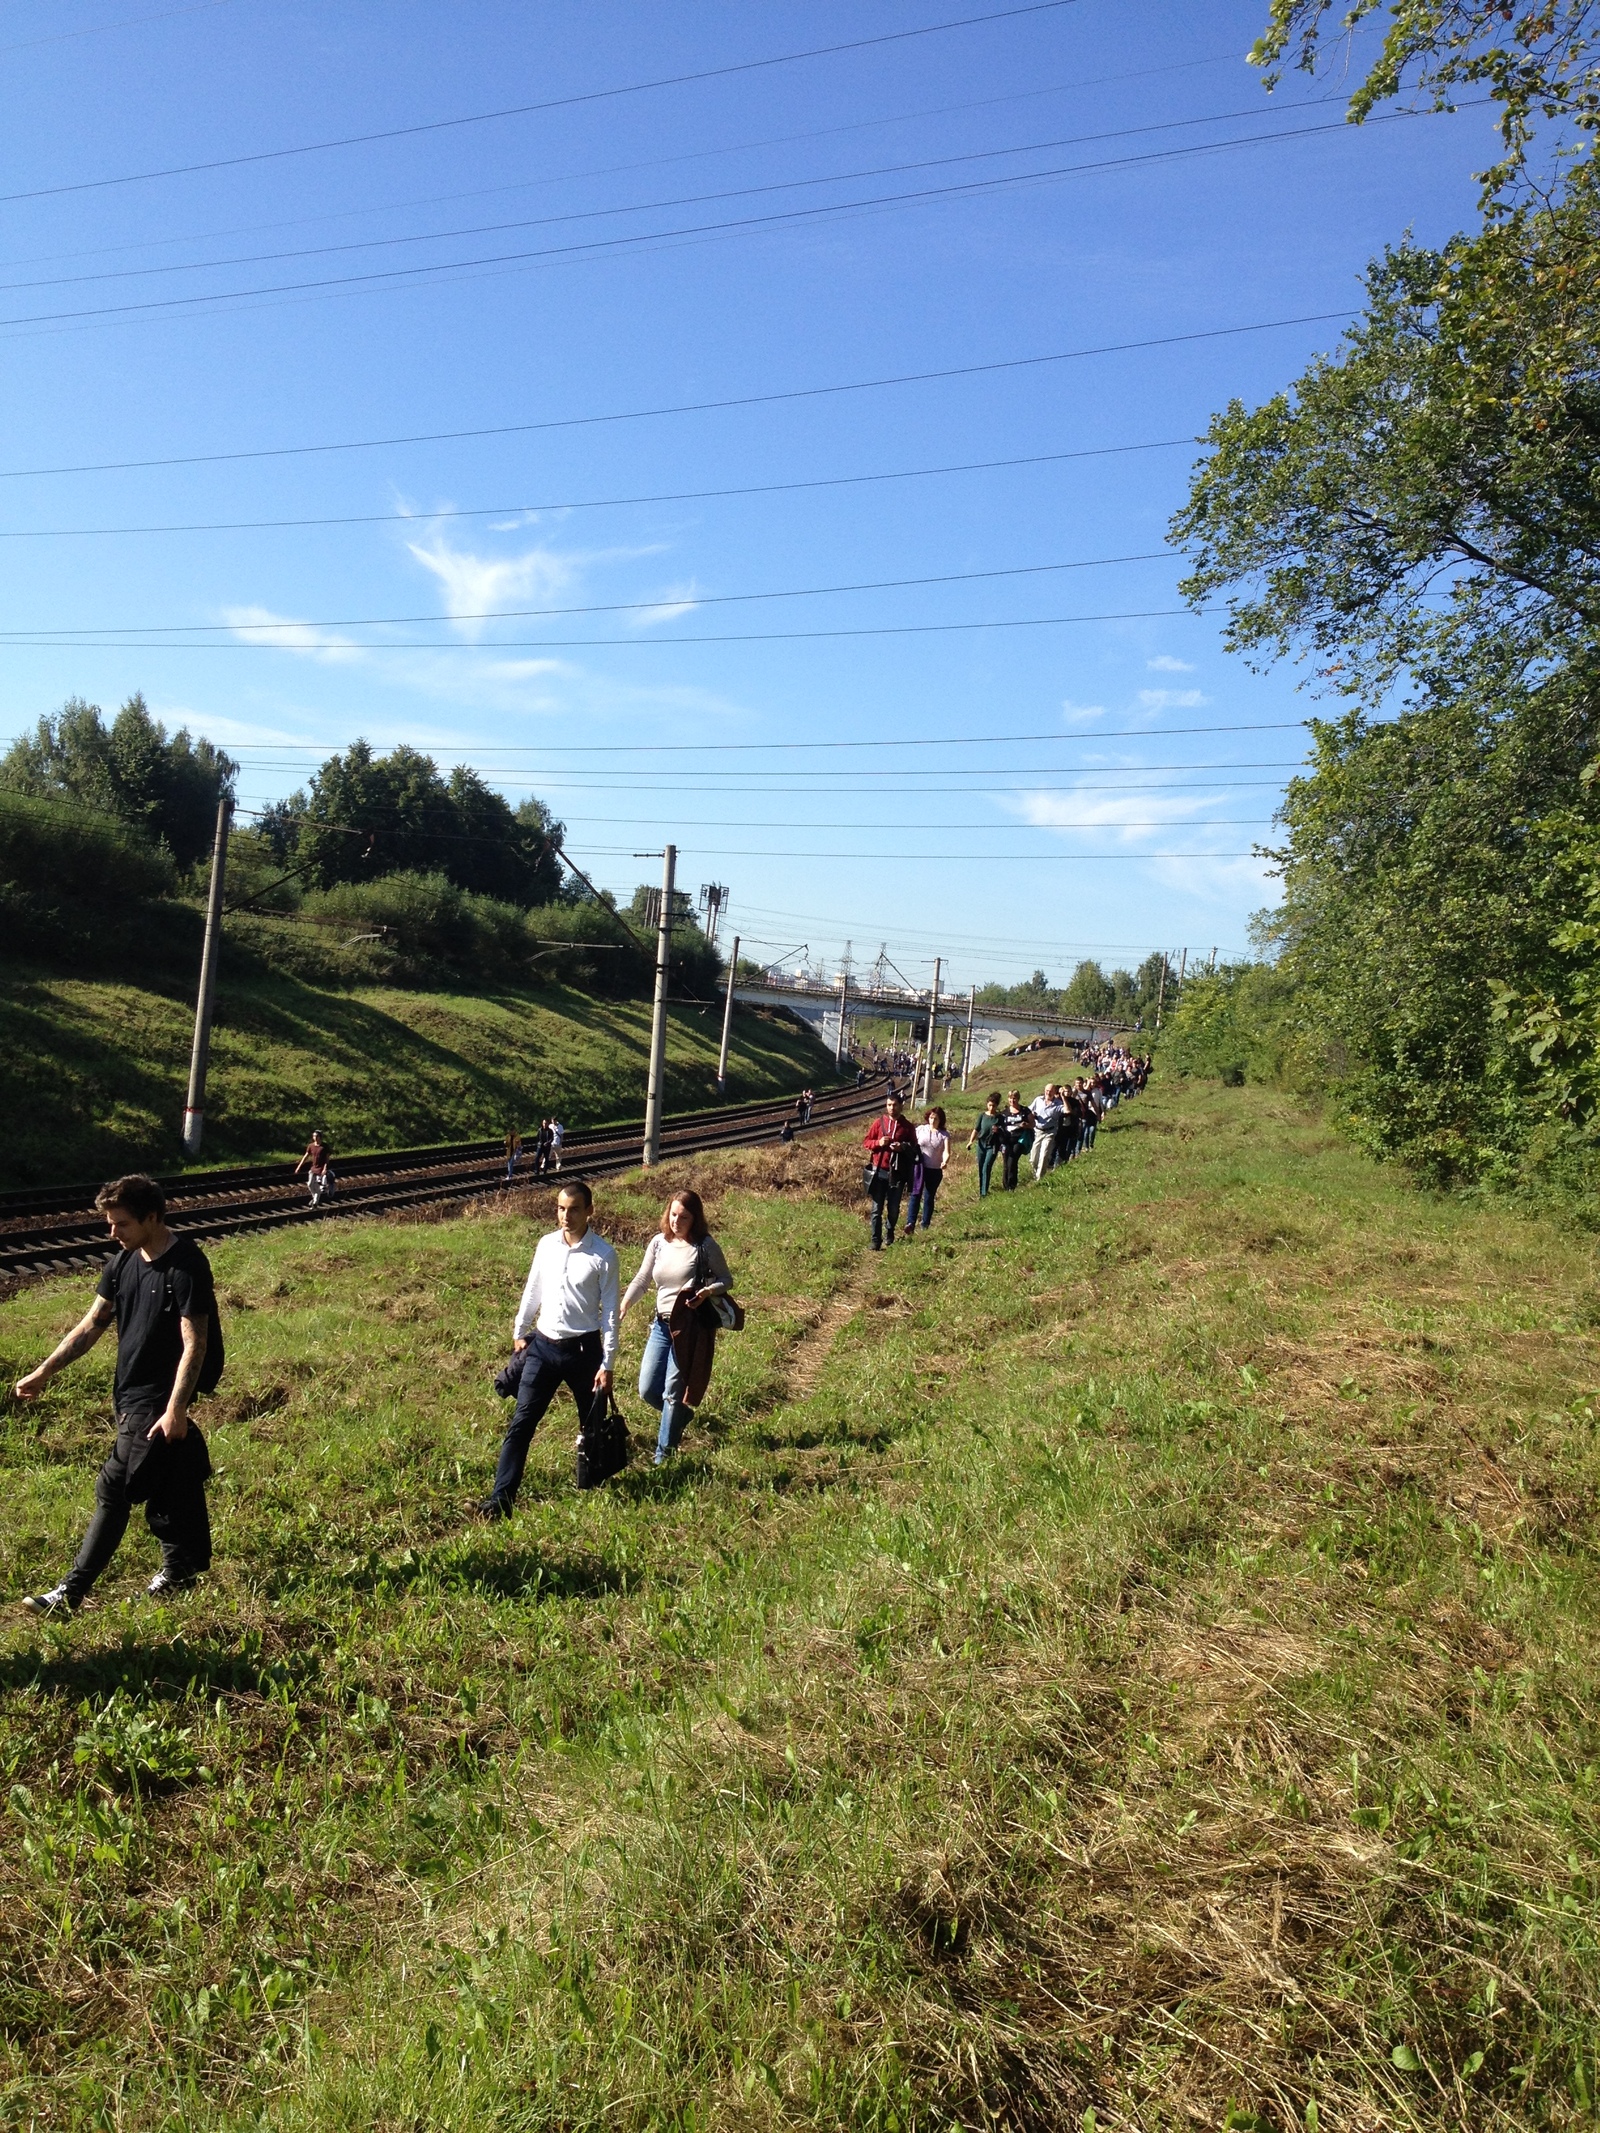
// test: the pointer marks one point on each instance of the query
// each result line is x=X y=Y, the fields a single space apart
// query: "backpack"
x=216 y=1354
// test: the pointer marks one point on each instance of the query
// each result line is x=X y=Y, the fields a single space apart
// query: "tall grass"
x=1126 y=1659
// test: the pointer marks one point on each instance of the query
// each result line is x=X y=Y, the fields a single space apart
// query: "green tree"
x=166 y=785
x=1537 y=58
x=1089 y=992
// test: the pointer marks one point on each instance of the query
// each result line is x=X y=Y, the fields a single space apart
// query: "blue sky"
x=1098 y=784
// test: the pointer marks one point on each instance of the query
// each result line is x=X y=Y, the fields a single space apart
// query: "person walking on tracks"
x=566 y=1332
x=317 y=1165
x=683 y=1260
x=158 y=1290
x=513 y=1152
x=558 y=1138
x=891 y=1147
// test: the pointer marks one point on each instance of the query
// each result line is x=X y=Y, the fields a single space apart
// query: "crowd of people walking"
x=158 y=1291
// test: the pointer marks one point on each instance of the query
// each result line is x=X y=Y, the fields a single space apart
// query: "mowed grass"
x=1126 y=1660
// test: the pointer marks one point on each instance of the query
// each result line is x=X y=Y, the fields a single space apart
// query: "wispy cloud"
x=1171 y=699
x=1129 y=817
x=1080 y=714
x=1221 y=881
x=476 y=586
x=677 y=600
x=1164 y=663
x=259 y=625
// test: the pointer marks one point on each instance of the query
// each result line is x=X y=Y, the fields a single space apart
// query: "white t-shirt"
x=935 y=1146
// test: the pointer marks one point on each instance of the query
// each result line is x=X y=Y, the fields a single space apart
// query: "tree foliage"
x=1536 y=59
x=368 y=816
x=164 y=785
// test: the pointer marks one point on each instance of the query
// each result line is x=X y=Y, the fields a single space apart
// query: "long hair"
x=697 y=1215
x=935 y=1117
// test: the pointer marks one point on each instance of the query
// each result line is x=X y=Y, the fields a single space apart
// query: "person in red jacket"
x=891 y=1145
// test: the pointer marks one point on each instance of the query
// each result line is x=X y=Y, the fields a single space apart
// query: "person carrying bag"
x=691 y=1279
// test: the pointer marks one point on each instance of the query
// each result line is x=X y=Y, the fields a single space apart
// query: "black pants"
x=170 y=1481
x=1008 y=1166
x=884 y=1192
x=548 y=1366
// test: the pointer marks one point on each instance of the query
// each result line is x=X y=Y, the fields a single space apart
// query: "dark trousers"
x=884 y=1192
x=1008 y=1166
x=549 y=1365
x=922 y=1199
x=170 y=1481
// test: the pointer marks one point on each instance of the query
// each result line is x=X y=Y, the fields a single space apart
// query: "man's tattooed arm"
x=78 y=1342
x=175 y=1422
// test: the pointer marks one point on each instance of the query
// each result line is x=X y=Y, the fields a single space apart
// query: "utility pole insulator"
x=194 y=1110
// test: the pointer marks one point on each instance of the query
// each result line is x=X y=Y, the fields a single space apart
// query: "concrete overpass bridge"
x=993 y=1029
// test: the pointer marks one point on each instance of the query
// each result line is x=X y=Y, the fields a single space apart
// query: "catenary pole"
x=1161 y=988
x=933 y=1017
x=949 y=1039
x=194 y=1110
x=966 y=1055
x=844 y=999
x=727 y=1021
x=658 y=1019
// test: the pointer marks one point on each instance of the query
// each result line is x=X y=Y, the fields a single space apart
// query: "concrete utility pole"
x=966 y=1055
x=727 y=1021
x=844 y=996
x=194 y=1111
x=949 y=1039
x=933 y=1016
x=1183 y=965
x=658 y=1020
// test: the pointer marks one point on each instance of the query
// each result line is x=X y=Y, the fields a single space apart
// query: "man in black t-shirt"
x=159 y=1293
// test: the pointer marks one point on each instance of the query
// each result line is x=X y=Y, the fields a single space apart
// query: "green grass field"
x=92 y=1074
x=1127 y=1660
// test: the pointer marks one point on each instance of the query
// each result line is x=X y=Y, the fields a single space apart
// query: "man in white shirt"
x=565 y=1331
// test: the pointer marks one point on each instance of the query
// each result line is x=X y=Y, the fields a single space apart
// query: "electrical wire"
x=511 y=111
x=87 y=632
x=566 y=747
x=595 y=247
x=683 y=407
x=647 y=207
x=52 y=642
x=613 y=170
x=598 y=503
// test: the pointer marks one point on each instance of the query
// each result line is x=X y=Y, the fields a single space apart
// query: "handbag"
x=717 y=1312
x=604 y=1445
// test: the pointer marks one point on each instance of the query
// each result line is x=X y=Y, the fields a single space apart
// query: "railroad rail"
x=57 y=1230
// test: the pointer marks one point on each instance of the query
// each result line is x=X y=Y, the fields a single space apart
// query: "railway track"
x=56 y=1230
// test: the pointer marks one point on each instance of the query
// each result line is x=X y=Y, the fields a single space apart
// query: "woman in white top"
x=933 y=1145
x=682 y=1247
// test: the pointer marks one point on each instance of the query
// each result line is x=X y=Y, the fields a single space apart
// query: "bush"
x=1235 y=1025
x=54 y=850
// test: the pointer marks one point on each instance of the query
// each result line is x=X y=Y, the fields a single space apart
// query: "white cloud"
x=1080 y=714
x=1171 y=699
x=1164 y=663
x=678 y=600
x=476 y=586
x=1239 y=883
x=259 y=625
x=1129 y=817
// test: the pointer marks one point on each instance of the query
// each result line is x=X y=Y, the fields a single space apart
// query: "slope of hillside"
x=92 y=1073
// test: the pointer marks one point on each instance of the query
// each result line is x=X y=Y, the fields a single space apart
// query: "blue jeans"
x=922 y=1199
x=659 y=1382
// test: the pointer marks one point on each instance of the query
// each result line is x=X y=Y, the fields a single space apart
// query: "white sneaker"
x=57 y=1601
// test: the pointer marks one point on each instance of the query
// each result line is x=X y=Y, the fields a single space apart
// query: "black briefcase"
x=604 y=1448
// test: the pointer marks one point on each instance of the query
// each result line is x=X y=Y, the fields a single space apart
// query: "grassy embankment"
x=1128 y=1659
x=92 y=1073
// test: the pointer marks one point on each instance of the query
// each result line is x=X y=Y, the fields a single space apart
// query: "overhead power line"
x=566 y=748
x=512 y=111
x=595 y=503
x=609 y=607
x=676 y=408
x=47 y=640
x=648 y=207
x=595 y=247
